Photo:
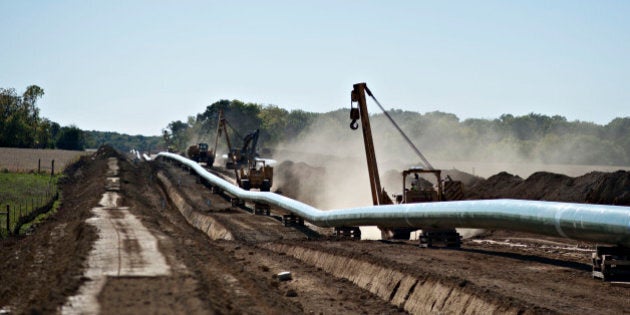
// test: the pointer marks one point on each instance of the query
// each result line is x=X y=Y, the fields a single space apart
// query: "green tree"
x=542 y=138
x=71 y=138
x=179 y=133
x=19 y=118
x=297 y=121
x=273 y=123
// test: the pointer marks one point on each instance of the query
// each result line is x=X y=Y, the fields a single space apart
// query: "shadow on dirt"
x=538 y=259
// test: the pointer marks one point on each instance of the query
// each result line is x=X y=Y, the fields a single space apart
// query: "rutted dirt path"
x=124 y=248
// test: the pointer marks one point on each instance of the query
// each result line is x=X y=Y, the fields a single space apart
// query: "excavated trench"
x=415 y=293
x=204 y=223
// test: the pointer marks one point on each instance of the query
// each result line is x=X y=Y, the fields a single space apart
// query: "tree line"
x=275 y=124
x=509 y=138
x=532 y=137
x=124 y=142
x=22 y=127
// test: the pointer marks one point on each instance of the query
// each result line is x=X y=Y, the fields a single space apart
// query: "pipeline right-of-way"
x=587 y=222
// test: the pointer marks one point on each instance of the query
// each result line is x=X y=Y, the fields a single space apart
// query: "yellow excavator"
x=421 y=190
x=249 y=171
x=256 y=174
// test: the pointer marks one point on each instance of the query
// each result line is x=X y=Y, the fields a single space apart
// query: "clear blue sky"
x=135 y=66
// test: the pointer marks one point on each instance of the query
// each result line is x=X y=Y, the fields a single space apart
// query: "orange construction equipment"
x=417 y=193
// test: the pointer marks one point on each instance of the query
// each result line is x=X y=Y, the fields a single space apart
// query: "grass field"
x=24 y=192
x=21 y=187
x=26 y=160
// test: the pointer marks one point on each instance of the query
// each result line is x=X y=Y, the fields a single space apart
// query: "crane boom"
x=449 y=237
x=358 y=96
x=402 y=133
x=222 y=128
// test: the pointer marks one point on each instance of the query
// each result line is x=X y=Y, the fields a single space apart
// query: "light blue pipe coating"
x=587 y=222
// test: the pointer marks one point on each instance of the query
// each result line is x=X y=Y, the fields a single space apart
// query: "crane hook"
x=354 y=125
x=354 y=116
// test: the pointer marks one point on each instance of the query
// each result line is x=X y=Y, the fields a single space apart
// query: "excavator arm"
x=222 y=129
x=250 y=141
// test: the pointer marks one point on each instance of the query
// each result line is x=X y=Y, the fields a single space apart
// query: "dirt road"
x=228 y=263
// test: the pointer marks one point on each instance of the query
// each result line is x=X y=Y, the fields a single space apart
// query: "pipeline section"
x=587 y=222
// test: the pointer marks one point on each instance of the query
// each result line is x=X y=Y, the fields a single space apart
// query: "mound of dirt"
x=466 y=178
x=594 y=187
x=496 y=186
x=299 y=181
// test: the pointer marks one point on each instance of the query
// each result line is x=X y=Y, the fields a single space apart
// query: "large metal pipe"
x=588 y=222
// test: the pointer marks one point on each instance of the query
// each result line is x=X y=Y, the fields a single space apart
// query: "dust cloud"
x=328 y=161
x=338 y=153
x=326 y=166
x=196 y=134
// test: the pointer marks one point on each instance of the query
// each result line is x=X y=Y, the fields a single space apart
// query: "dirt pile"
x=466 y=178
x=594 y=187
x=299 y=181
x=304 y=182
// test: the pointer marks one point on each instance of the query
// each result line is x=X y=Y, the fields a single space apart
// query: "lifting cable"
x=413 y=146
x=233 y=129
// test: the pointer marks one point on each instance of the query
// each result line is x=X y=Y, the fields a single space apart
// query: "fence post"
x=8 y=220
x=52 y=168
x=39 y=166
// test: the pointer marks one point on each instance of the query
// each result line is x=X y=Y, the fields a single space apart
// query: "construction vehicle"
x=199 y=153
x=256 y=173
x=240 y=157
x=611 y=263
x=234 y=159
x=425 y=191
x=417 y=193
x=250 y=172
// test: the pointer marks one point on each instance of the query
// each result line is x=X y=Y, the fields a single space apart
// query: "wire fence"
x=36 y=160
x=28 y=185
x=16 y=214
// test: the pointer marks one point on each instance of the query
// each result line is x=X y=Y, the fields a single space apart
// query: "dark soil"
x=40 y=270
x=595 y=187
x=512 y=270
x=299 y=179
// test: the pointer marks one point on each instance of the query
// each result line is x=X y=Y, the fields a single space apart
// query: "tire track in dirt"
x=111 y=255
x=311 y=290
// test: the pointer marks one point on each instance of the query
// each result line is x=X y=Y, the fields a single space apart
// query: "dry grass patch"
x=26 y=160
